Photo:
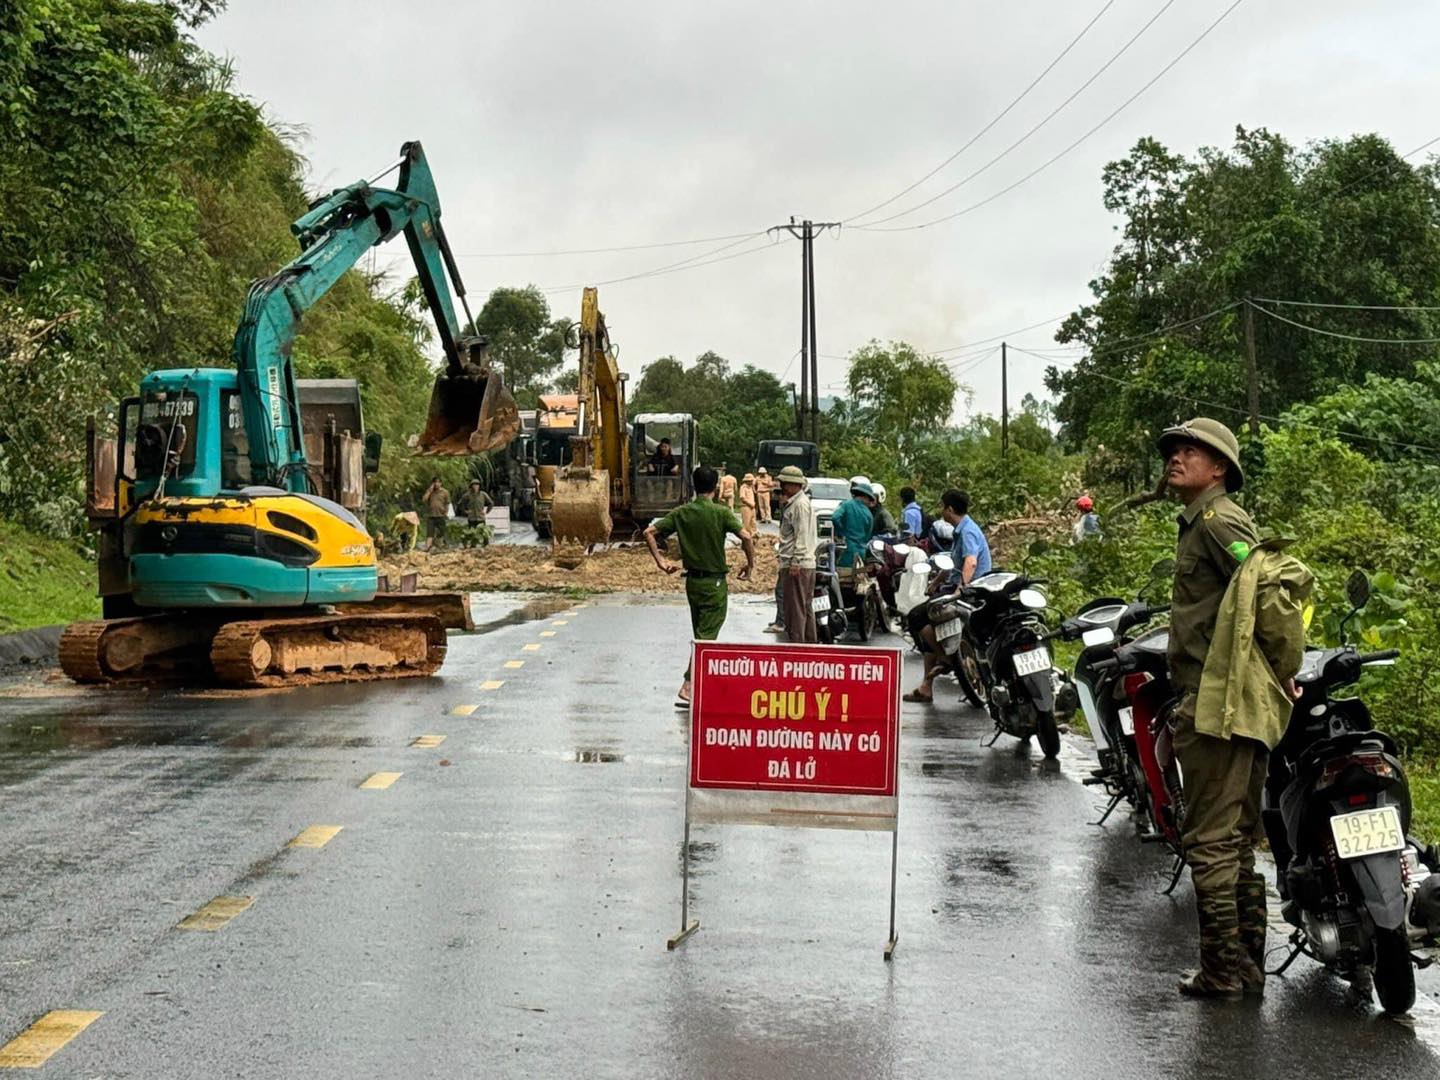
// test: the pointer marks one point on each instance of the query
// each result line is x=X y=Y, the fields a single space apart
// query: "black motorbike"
x=827 y=601
x=1363 y=896
x=994 y=632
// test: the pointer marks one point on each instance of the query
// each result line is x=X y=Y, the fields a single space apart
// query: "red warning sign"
x=795 y=718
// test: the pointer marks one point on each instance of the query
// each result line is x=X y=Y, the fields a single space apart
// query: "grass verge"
x=43 y=581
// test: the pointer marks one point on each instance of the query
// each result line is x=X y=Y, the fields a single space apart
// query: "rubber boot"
x=1219 y=974
x=1254 y=918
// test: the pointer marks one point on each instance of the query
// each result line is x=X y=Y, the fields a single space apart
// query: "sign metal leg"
x=686 y=926
x=894 y=861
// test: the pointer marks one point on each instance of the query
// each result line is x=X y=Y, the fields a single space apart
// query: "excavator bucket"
x=470 y=413
x=581 y=510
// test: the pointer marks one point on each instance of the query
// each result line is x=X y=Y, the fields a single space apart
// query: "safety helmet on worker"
x=879 y=492
x=1213 y=435
x=1085 y=504
x=859 y=479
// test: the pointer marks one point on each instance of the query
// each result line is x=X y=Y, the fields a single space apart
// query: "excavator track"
x=327 y=648
x=135 y=649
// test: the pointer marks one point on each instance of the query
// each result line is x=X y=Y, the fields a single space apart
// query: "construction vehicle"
x=555 y=422
x=225 y=552
x=605 y=491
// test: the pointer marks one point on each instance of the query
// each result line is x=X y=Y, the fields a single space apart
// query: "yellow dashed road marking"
x=547 y=633
x=492 y=684
x=216 y=913
x=38 y=1043
x=463 y=710
x=316 y=836
x=514 y=664
x=427 y=742
x=380 y=781
x=534 y=646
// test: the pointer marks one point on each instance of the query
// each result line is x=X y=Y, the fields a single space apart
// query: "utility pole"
x=1252 y=371
x=1004 y=400
x=808 y=416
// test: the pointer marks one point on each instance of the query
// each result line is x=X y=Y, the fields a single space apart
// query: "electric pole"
x=1004 y=400
x=1252 y=371
x=808 y=415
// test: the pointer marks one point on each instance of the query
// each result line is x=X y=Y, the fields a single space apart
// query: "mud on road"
x=615 y=568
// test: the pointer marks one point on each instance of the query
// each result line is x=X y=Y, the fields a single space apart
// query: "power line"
x=1344 y=337
x=601 y=250
x=998 y=117
x=1045 y=165
x=1347 y=307
x=702 y=259
x=1175 y=395
x=1026 y=137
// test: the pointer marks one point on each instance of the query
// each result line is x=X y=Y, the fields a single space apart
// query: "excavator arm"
x=470 y=411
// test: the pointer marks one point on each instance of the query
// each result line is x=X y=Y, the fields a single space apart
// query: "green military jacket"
x=1215 y=537
x=1258 y=643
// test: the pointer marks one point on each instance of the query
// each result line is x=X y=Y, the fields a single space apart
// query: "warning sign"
x=802 y=735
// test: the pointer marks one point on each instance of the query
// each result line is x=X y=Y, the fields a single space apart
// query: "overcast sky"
x=553 y=126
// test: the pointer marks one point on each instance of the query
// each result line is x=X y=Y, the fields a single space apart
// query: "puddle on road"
x=540 y=608
x=597 y=757
x=45 y=732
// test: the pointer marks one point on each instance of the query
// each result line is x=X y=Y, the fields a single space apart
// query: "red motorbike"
x=1146 y=744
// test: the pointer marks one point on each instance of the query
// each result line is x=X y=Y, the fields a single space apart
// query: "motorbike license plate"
x=1032 y=662
x=1367 y=832
x=949 y=629
x=1127 y=721
x=820 y=603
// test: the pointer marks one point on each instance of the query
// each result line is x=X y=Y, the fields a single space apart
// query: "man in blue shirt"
x=912 y=518
x=970 y=548
x=854 y=521
x=971 y=552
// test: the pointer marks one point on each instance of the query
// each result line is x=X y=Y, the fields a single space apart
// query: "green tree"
x=898 y=394
x=523 y=337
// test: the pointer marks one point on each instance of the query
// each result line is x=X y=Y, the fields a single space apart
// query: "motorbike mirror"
x=1357 y=589
x=1101 y=635
x=921 y=568
x=944 y=561
x=1033 y=599
x=877 y=546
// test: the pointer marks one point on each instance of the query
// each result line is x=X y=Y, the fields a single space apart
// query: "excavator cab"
x=470 y=409
x=653 y=494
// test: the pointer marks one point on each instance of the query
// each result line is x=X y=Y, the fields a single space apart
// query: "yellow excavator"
x=611 y=488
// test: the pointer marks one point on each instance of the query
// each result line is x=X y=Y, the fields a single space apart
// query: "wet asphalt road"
x=505 y=914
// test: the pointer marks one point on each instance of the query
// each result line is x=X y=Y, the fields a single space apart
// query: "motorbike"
x=886 y=562
x=1362 y=895
x=826 y=602
x=1151 y=771
x=995 y=633
x=861 y=599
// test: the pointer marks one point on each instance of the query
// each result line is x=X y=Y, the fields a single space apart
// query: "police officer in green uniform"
x=1223 y=777
x=701 y=526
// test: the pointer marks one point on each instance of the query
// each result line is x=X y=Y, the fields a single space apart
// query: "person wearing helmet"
x=854 y=520
x=764 y=485
x=1087 y=525
x=1223 y=777
x=884 y=521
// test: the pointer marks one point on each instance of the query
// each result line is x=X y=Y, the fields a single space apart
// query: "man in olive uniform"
x=1223 y=777
x=701 y=526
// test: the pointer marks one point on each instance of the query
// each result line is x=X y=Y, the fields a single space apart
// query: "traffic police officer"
x=1223 y=777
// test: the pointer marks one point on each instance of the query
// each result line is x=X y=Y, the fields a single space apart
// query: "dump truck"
x=231 y=546
x=607 y=491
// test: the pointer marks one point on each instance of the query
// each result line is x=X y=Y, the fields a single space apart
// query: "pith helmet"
x=791 y=474
x=1213 y=435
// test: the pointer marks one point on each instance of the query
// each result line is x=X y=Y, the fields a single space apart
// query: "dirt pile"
x=613 y=569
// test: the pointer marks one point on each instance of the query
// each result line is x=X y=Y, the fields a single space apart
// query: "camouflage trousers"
x=1223 y=780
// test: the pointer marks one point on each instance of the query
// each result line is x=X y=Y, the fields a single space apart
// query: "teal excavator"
x=218 y=551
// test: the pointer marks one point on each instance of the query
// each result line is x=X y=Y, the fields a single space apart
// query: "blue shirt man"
x=912 y=518
x=970 y=543
x=854 y=521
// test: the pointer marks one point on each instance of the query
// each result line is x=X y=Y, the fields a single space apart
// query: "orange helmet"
x=1085 y=503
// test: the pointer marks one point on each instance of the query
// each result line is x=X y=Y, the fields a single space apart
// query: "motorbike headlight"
x=1101 y=635
x=921 y=568
x=1033 y=599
